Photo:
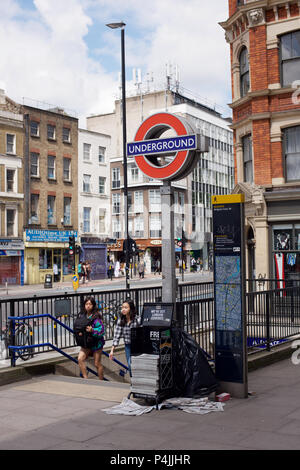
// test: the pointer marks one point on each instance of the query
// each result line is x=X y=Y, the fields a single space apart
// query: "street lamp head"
x=116 y=25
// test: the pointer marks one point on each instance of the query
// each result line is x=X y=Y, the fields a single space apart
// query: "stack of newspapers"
x=145 y=374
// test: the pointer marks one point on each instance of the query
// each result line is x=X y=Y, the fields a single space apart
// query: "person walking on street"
x=141 y=268
x=157 y=266
x=123 y=330
x=83 y=271
x=110 y=270
x=79 y=268
x=97 y=331
x=88 y=268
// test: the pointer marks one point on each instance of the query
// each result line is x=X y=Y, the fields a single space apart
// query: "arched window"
x=244 y=72
x=290 y=57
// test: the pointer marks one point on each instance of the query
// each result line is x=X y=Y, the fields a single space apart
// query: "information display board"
x=157 y=314
x=229 y=288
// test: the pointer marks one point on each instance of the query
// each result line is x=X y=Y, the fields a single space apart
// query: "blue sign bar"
x=35 y=235
x=155 y=146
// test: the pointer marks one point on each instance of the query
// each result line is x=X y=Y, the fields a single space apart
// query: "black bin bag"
x=192 y=374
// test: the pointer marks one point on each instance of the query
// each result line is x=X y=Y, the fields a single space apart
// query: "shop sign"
x=182 y=151
x=10 y=253
x=11 y=244
x=62 y=236
x=155 y=242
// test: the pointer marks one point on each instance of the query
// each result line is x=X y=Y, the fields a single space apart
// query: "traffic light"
x=77 y=249
x=71 y=244
x=131 y=244
x=179 y=241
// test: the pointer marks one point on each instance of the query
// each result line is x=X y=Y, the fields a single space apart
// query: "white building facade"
x=94 y=199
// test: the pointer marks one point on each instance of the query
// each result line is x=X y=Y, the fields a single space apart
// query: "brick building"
x=51 y=196
x=264 y=39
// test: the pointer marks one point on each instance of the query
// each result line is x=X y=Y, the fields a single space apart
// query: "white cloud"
x=46 y=55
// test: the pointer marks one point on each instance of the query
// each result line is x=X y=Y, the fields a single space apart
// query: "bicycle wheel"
x=23 y=337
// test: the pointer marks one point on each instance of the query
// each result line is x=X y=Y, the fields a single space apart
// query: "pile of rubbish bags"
x=192 y=373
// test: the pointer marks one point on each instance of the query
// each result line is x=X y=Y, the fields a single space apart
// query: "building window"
x=86 y=152
x=34 y=164
x=10 y=222
x=116 y=198
x=116 y=228
x=66 y=135
x=290 y=57
x=51 y=210
x=86 y=219
x=155 y=225
x=139 y=227
x=67 y=169
x=34 y=129
x=51 y=167
x=10 y=181
x=67 y=210
x=11 y=143
x=138 y=201
x=101 y=220
x=101 y=154
x=102 y=182
x=116 y=178
x=247 y=158
x=154 y=200
x=34 y=209
x=291 y=138
x=86 y=183
x=244 y=72
x=50 y=131
x=133 y=173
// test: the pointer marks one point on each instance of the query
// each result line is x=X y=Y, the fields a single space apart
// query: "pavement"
x=64 y=413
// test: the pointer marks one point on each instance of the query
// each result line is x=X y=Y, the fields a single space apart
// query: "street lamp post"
x=121 y=26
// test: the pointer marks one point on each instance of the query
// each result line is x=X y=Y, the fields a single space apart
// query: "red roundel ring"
x=157 y=121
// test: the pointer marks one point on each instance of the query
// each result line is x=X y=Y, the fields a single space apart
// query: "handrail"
x=29 y=346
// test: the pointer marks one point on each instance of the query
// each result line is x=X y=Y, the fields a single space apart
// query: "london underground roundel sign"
x=169 y=158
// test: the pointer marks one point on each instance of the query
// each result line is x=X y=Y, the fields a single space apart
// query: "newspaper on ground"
x=189 y=405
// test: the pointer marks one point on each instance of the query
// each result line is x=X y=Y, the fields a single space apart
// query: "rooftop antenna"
x=149 y=79
x=137 y=80
x=177 y=78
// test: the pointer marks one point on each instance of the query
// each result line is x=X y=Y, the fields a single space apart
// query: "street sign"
x=147 y=146
x=75 y=282
x=229 y=293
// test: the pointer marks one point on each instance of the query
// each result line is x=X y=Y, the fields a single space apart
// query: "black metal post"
x=125 y=157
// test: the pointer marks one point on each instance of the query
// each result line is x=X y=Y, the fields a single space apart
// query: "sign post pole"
x=168 y=244
x=229 y=290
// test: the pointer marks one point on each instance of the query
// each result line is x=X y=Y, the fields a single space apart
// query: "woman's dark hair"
x=132 y=311
x=95 y=310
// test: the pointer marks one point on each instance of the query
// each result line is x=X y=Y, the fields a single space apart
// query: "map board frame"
x=229 y=293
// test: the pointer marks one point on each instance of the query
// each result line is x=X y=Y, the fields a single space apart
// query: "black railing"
x=43 y=330
x=272 y=315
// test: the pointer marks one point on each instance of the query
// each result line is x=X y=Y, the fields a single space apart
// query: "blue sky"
x=61 y=52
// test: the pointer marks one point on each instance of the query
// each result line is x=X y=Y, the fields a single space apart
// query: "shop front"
x=11 y=262
x=94 y=251
x=286 y=252
x=47 y=252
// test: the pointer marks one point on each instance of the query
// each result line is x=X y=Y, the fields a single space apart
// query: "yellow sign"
x=228 y=199
x=75 y=282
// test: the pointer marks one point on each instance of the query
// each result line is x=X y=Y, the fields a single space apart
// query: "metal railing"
x=272 y=315
x=43 y=330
